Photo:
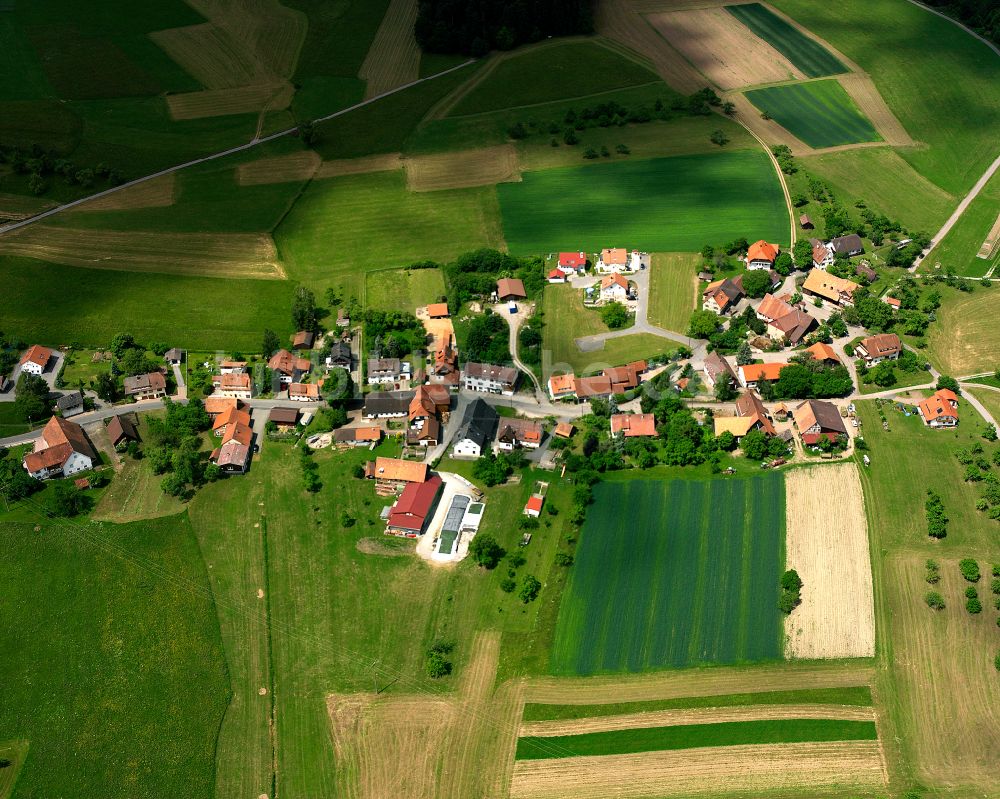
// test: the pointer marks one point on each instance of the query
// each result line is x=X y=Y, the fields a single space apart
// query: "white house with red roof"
x=940 y=409
x=762 y=255
x=614 y=287
x=557 y=276
x=572 y=263
x=34 y=361
x=61 y=450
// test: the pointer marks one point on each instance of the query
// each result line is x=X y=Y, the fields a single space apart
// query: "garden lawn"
x=551 y=72
x=690 y=736
x=672 y=289
x=342 y=227
x=903 y=380
x=807 y=54
x=688 y=575
x=114 y=671
x=663 y=204
x=403 y=289
x=958 y=250
x=819 y=112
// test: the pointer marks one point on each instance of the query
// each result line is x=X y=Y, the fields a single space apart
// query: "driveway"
x=514 y=322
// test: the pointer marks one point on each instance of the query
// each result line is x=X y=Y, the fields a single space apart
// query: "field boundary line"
x=563 y=100
x=222 y=154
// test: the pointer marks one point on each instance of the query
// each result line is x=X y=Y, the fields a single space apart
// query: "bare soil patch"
x=827 y=544
x=722 y=49
x=463 y=169
x=223 y=102
x=245 y=255
x=701 y=715
x=707 y=770
x=290 y=168
x=393 y=58
x=866 y=96
x=385 y=162
x=159 y=192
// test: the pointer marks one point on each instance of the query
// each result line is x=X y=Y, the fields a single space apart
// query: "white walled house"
x=34 y=361
x=62 y=450
x=489 y=379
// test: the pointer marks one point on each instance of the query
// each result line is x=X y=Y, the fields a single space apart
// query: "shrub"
x=564 y=559
x=438 y=664
x=969 y=569
x=507 y=585
x=933 y=572
x=936 y=520
x=486 y=551
x=996 y=662
x=971 y=593
x=995 y=585
x=934 y=600
x=791 y=591
x=974 y=606
x=529 y=589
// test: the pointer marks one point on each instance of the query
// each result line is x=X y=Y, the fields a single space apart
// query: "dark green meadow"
x=805 y=53
x=675 y=573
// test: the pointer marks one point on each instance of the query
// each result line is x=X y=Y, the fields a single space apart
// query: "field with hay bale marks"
x=704 y=197
x=463 y=169
x=820 y=113
x=805 y=53
x=648 y=590
x=394 y=57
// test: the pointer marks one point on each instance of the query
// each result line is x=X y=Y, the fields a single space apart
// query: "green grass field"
x=114 y=676
x=689 y=575
x=965 y=339
x=819 y=112
x=690 y=736
x=903 y=380
x=856 y=696
x=959 y=249
x=672 y=289
x=664 y=204
x=805 y=53
x=551 y=72
x=403 y=289
x=14 y=752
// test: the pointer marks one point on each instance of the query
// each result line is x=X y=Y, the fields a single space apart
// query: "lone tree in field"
x=486 y=551
x=934 y=600
x=270 y=344
x=791 y=591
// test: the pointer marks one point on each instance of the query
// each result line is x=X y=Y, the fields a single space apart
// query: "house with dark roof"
x=148 y=386
x=70 y=404
x=792 y=326
x=878 y=348
x=284 y=418
x=174 y=355
x=510 y=288
x=717 y=368
x=387 y=404
x=848 y=245
x=489 y=378
x=816 y=419
x=478 y=426
x=303 y=340
x=340 y=355
x=514 y=433
x=61 y=450
x=723 y=296
x=121 y=430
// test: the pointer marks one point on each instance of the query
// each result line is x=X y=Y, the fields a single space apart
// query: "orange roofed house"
x=633 y=425
x=823 y=352
x=562 y=386
x=829 y=287
x=437 y=310
x=395 y=473
x=751 y=374
x=34 y=361
x=62 y=450
x=513 y=433
x=762 y=255
x=233 y=385
x=288 y=366
x=940 y=409
x=878 y=348
x=723 y=296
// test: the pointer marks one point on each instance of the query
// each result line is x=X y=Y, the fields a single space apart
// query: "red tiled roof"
x=534 y=503
x=411 y=509
x=37 y=354
x=762 y=251
x=633 y=424
x=573 y=260
x=752 y=372
x=510 y=287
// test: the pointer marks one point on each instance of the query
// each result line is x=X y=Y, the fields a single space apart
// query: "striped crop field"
x=672 y=204
x=687 y=575
x=821 y=113
x=807 y=54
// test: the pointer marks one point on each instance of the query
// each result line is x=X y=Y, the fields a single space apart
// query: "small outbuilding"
x=510 y=288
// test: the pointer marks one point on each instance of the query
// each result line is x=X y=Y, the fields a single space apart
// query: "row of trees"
x=42 y=166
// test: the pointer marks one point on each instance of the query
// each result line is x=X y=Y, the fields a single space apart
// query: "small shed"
x=303 y=340
x=805 y=222
x=510 y=288
x=534 y=505
x=437 y=310
x=564 y=430
x=174 y=355
x=121 y=430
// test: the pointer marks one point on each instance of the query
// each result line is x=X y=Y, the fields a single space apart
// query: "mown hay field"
x=673 y=289
x=965 y=339
x=688 y=575
x=805 y=53
x=463 y=169
x=403 y=289
x=960 y=249
x=820 y=113
x=663 y=204
x=394 y=57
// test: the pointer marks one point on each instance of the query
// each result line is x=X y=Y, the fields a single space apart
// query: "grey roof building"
x=479 y=425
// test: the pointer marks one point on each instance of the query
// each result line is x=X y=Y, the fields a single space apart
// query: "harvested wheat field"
x=827 y=544
x=393 y=58
x=990 y=242
x=159 y=192
x=290 y=168
x=385 y=162
x=463 y=169
x=208 y=53
x=244 y=255
x=16 y=206
x=722 y=49
x=222 y=102
x=862 y=90
x=707 y=770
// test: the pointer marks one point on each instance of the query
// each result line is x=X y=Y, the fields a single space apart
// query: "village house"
x=633 y=425
x=614 y=287
x=823 y=352
x=215 y=405
x=284 y=419
x=892 y=302
x=236 y=385
x=289 y=367
x=564 y=430
x=771 y=308
x=231 y=417
x=613 y=259
x=816 y=419
x=343 y=319
x=829 y=287
x=61 y=450
x=513 y=433
x=415 y=507
x=340 y=355
x=940 y=409
x=750 y=415
x=34 y=361
x=822 y=256
x=793 y=326
x=387 y=404
x=394 y=474
x=233 y=455
x=562 y=386
x=625 y=378
x=232 y=367
x=751 y=374
x=144 y=387
x=762 y=255
x=437 y=310
x=478 y=426
x=869 y=274
x=881 y=347
x=174 y=356
x=596 y=387
x=425 y=432
x=572 y=263
x=303 y=340
x=849 y=245
x=421 y=407
x=444 y=371
x=357 y=436
x=556 y=276
x=510 y=288
x=489 y=378
x=303 y=392
x=70 y=404
x=717 y=368
x=382 y=371
x=121 y=431
x=723 y=296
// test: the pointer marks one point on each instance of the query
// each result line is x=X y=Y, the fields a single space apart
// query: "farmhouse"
x=562 y=386
x=343 y=320
x=303 y=392
x=723 y=296
x=284 y=418
x=750 y=415
x=614 y=287
x=303 y=340
x=829 y=287
x=509 y=288
x=34 y=361
x=822 y=257
x=148 y=386
x=878 y=348
x=816 y=419
x=823 y=352
x=174 y=356
x=357 y=436
x=289 y=367
x=387 y=370
x=940 y=409
x=414 y=508
x=215 y=405
x=753 y=373
x=849 y=245
x=232 y=367
x=444 y=370
x=572 y=262
x=771 y=308
x=233 y=456
x=556 y=276
x=231 y=417
x=478 y=426
x=340 y=355
x=633 y=425
x=61 y=450
x=892 y=302
x=236 y=385
x=121 y=431
x=70 y=404
x=387 y=404
x=437 y=310
x=717 y=368
x=762 y=255
x=489 y=378
x=513 y=433
x=793 y=326
x=395 y=474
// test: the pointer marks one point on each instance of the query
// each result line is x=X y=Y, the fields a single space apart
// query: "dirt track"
x=827 y=543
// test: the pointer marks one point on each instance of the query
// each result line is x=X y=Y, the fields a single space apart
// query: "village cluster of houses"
x=616 y=380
